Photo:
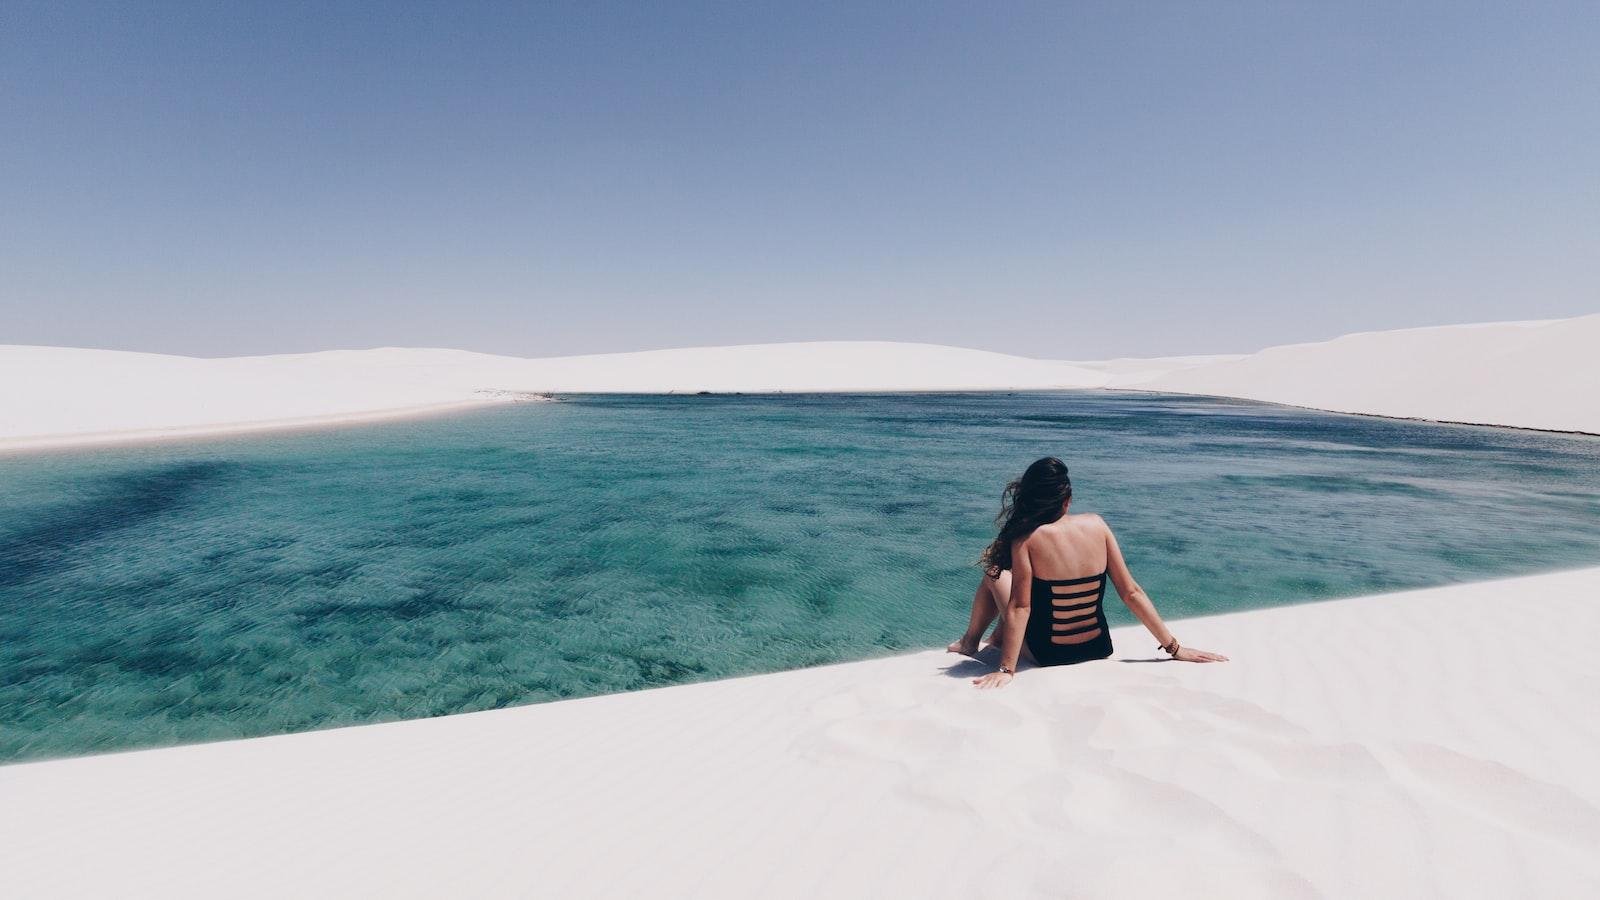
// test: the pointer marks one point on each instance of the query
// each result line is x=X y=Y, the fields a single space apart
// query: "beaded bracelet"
x=1171 y=648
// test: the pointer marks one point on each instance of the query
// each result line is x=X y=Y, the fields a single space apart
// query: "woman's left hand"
x=993 y=680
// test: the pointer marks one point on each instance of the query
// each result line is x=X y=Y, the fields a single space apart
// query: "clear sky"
x=1069 y=180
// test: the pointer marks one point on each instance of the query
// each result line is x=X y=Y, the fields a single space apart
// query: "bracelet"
x=1171 y=647
x=1009 y=670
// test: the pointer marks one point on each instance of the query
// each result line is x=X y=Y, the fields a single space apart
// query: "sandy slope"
x=1134 y=372
x=1527 y=374
x=61 y=396
x=1417 y=744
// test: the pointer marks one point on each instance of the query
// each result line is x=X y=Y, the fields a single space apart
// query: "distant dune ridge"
x=1524 y=374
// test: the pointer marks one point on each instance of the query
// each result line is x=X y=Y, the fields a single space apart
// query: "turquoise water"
x=201 y=590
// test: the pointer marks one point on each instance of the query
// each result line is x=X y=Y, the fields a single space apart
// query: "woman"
x=1060 y=561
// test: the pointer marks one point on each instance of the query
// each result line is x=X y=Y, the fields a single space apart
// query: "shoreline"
x=101 y=440
x=1365 y=415
x=1424 y=709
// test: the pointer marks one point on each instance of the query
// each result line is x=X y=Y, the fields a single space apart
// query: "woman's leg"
x=999 y=595
x=986 y=605
x=983 y=612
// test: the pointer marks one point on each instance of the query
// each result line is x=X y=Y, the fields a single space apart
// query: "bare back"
x=1073 y=546
x=1059 y=573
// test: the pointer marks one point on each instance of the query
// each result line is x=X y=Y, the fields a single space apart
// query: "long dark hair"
x=1034 y=499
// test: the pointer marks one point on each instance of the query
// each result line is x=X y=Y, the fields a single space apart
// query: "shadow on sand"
x=988 y=659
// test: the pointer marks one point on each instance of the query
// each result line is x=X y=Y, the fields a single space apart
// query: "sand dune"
x=66 y=396
x=1134 y=372
x=1528 y=374
x=1416 y=744
x=1525 y=374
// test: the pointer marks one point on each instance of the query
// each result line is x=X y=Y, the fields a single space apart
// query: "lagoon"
x=199 y=590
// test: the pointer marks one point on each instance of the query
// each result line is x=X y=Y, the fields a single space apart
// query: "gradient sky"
x=1069 y=180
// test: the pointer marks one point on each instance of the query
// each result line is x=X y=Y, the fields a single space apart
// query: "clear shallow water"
x=203 y=590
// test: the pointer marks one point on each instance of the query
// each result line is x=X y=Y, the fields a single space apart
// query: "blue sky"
x=1070 y=180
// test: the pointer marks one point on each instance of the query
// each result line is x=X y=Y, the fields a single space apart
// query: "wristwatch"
x=1009 y=670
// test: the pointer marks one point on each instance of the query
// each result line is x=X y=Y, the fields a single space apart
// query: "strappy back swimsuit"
x=1067 y=621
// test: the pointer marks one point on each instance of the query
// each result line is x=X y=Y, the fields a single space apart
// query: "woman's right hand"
x=1189 y=654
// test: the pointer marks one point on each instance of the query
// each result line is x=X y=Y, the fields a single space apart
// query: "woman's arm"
x=1014 y=618
x=1139 y=603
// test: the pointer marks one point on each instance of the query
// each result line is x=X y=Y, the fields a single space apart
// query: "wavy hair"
x=1034 y=499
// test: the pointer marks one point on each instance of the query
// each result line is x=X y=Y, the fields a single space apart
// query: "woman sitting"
x=1060 y=561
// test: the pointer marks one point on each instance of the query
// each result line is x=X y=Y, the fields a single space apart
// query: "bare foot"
x=965 y=647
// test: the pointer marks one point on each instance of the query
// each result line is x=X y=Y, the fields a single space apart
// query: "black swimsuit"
x=1074 y=612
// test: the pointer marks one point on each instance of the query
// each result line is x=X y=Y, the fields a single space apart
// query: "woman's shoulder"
x=1064 y=527
x=1089 y=522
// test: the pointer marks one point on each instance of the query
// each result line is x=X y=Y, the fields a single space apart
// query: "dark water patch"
x=897 y=508
x=1332 y=484
x=666 y=668
x=407 y=606
x=1173 y=544
x=258 y=544
x=114 y=504
x=323 y=575
x=160 y=660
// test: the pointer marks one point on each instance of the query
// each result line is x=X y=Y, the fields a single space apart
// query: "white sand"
x=1434 y=743
x=1527 y=374
x=1134 y=373
x=60 y=396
